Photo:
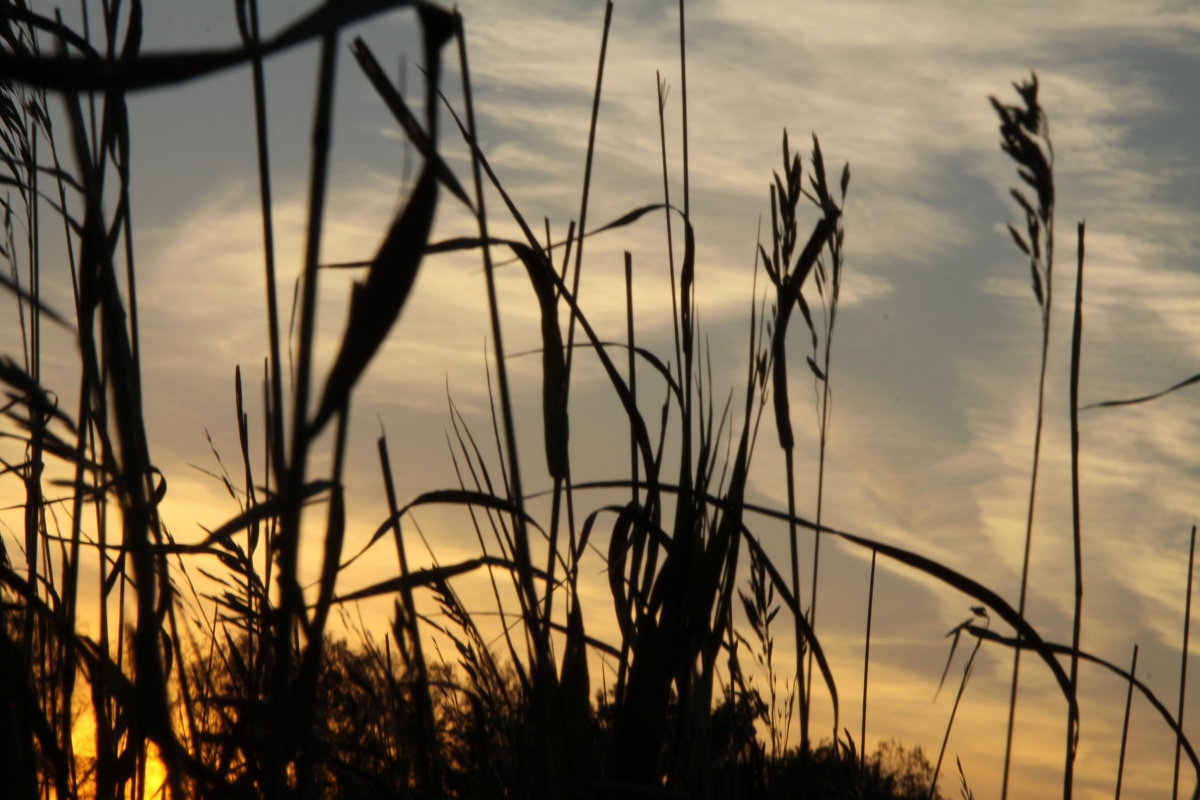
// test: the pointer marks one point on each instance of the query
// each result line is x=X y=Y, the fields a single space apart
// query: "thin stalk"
x=1125 y=726
x=576 y=272
x=779 y=259
x=1183 y=659
x=683 y=99
x=816 y=565
x=32 y=473
x=185 y=687
x=1046 y=228
x=556 y=503
x=688 y=318
x=568 y=244
x=687 y=513
x=275 y=383
x=129 y=455
x=25 y=171
x=651 y=557
x=126 y=220
x=587 y=182
x=1076 y=522
x=81 y=446
x=962 y=686
x=420 y=689
x=91 y=96
x=798 y=628
x=252 y=536
x=270 y=472
x=631 y=341
x=826 y=400
x=456 y=419
x=862 y=732
x=310 y=670
x=71 y=558
x=662 y=138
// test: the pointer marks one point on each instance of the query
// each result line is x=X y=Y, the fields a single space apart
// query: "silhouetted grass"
x=1026 y=139
x=234 y=681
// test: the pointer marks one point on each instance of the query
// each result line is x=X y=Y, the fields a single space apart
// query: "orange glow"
x=83 y=741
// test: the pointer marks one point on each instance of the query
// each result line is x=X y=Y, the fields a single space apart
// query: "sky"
x=936 y=350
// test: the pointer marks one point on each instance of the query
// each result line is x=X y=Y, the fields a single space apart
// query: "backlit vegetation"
x=268 y=692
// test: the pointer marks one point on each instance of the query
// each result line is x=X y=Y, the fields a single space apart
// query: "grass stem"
x=1183 y=658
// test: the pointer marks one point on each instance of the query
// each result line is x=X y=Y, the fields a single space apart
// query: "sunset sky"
x=935 y=353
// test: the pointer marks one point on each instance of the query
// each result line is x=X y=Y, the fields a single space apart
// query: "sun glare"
x=83 y=741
